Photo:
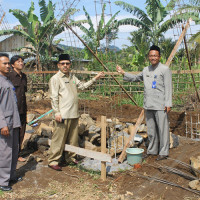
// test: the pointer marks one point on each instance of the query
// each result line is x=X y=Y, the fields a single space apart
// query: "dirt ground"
x=41 y=182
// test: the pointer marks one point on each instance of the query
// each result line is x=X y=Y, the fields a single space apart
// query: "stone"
x=81 y=129
x=42 y=141
x=42 y=148
x=116 y=121
x=195 y=163
x=142 y=128
x=44 y=130
x=88 y=145
x=27 y=136
x=38 y=97
x=87 y=120
x=95 y=137
x=30 y=117
x=194 y=184
x=174 y=140
x=38 y=159
x=119 y=127
x=109 y=120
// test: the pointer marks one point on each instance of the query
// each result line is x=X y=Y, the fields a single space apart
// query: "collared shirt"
x=9 y=115
x=20 y=84
x=64 y=95
x=157 y=86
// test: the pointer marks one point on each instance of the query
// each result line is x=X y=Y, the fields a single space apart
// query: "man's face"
x=154 y=57
x=18 y=65
x=64 y=66
x=4 y=65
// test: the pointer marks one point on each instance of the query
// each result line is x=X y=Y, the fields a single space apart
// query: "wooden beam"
x=103 y=146
x=169 y=60
x=87 y=153
x=133 y=130
x=194 y=71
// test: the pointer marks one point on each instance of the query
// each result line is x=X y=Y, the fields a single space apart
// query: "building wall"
x=12 y=43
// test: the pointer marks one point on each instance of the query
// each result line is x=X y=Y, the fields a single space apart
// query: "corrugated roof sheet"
x=4 y=37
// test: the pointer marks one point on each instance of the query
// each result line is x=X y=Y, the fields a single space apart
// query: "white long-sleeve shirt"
x=64 y=96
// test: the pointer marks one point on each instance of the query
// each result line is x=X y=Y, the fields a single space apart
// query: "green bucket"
x=134 y=155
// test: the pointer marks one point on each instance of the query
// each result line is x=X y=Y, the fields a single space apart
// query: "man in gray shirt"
x=157 y=80
x=9 y=127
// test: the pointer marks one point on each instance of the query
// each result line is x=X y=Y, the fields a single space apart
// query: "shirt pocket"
x=9 y=117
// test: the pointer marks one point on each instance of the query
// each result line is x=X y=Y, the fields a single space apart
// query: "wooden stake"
x=103 y=146
x=133 y=130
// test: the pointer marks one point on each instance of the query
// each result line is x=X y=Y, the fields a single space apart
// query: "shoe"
x=18 y=179
x=55 y=167
x=20 y=159
x=161 y=157
x=5 y=188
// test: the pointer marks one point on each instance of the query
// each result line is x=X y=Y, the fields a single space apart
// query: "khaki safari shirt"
x=64 y=95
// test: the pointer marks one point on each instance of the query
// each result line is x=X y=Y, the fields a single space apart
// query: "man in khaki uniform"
x=64 y=99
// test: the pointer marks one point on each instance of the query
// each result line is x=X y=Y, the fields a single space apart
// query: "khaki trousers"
x=63 y=133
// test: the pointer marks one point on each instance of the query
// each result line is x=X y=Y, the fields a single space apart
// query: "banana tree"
x=153 y=21
x=106 y=31
x=40 y=34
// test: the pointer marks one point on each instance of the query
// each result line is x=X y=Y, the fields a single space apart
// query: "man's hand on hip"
x=5 y=131
x=58 y=118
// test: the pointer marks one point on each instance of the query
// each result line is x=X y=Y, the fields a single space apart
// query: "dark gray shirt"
x=9 y=115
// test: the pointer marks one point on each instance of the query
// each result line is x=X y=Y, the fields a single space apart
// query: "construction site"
x=112 y=118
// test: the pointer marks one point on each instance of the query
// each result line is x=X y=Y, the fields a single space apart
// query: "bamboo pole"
x=102 y=64
x=169 y=60
x=190 y=66
x=2 y=17
x=103 y=146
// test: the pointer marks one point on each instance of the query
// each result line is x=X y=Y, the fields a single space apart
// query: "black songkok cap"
x=154 y=47
x=63 y=57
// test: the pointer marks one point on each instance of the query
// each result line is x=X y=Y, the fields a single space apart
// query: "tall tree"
x=153 y=21
x=93 y=36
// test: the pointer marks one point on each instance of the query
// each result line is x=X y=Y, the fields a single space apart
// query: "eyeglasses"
x=65 y=63
x=154 y=56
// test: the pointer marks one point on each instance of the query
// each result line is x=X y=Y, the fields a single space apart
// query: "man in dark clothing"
x=19 y=81
x=9 y=127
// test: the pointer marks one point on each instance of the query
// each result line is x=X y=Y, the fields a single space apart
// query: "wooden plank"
x=133 y=130
x=87 y=153
x=103 y=146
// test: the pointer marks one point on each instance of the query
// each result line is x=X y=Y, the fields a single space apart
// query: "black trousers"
x=22 y=130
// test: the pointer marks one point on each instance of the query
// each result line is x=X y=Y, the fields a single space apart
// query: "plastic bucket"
x=134 y=155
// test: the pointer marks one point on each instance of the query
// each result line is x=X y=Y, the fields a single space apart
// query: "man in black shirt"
x=19 y=81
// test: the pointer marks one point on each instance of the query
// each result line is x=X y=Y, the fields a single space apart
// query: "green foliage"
x=93 y=37
x=153 y=22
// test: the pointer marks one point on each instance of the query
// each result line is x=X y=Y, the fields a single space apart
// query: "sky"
x=124 y=31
